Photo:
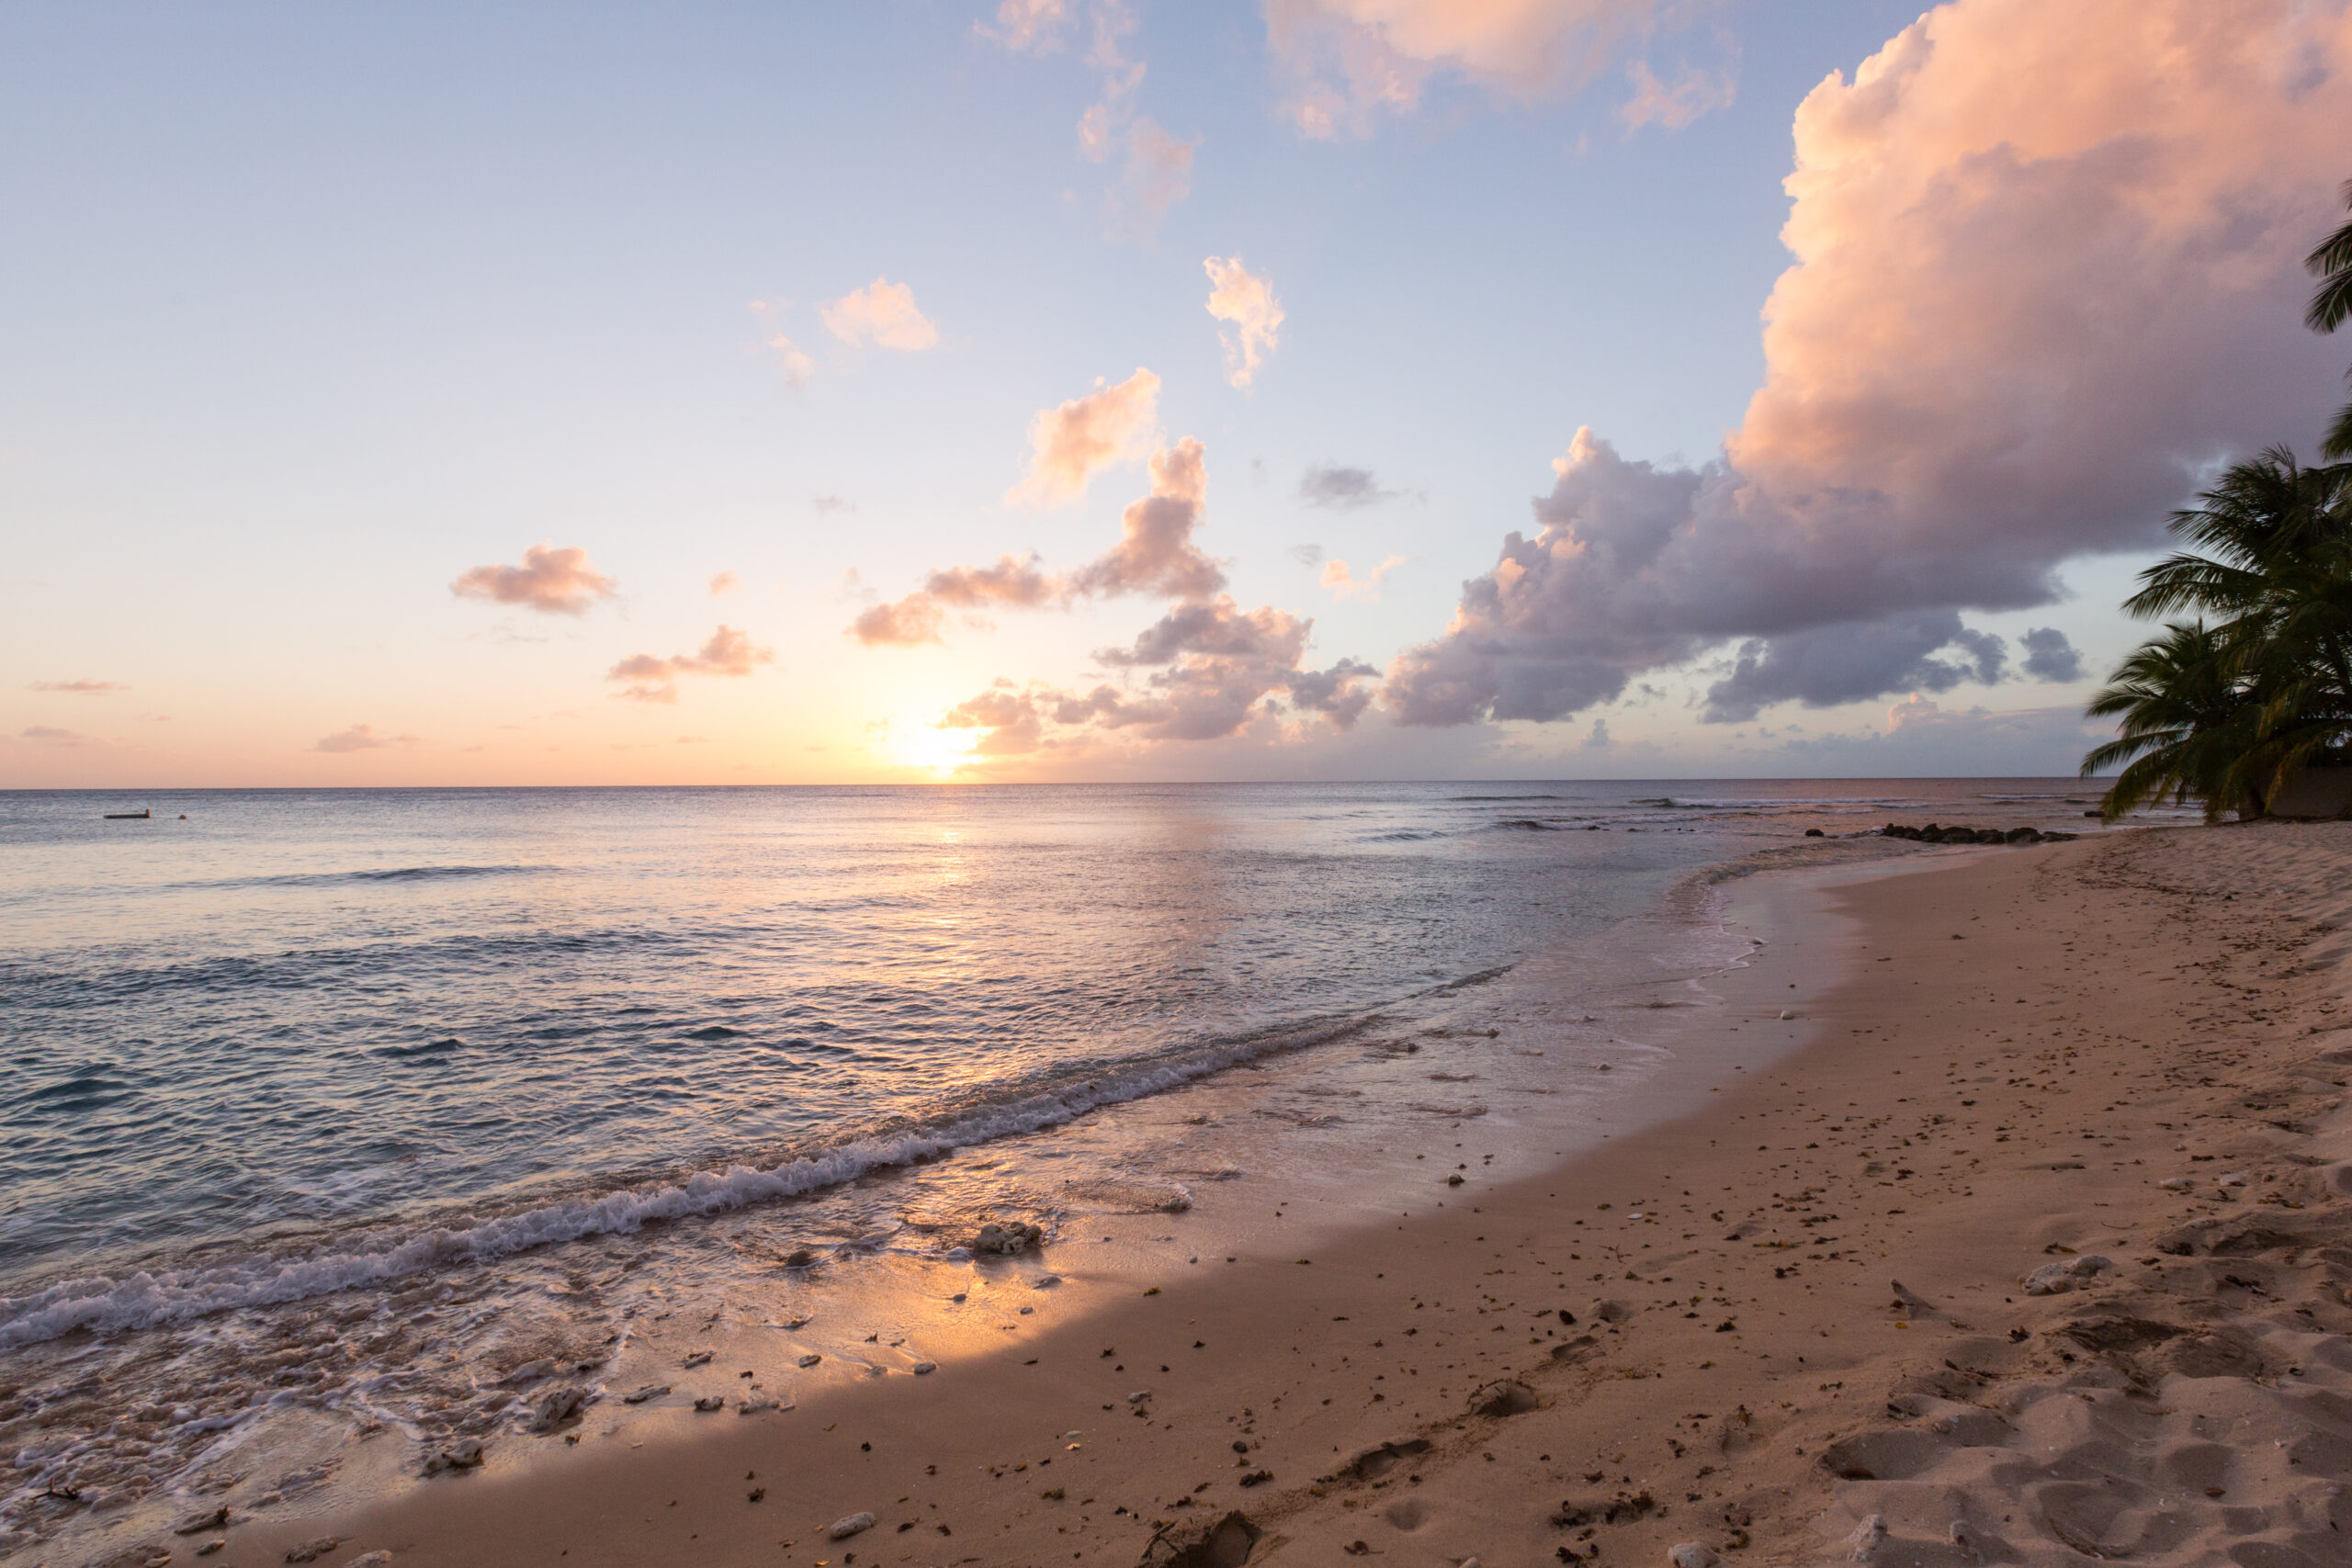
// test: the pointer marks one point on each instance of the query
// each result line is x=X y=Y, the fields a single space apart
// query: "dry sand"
x=1799 y=1333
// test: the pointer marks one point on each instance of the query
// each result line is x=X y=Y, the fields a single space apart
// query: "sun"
x=917 y=743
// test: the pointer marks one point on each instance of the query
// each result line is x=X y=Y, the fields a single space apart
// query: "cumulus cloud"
x=362 y=738
x=902 y=623
x=1692 y=94
x=1014 y=581
x=1252 y=316
x=1205 y=669
x=1344 y=488
x=723 y=583
x=81 y=688
x=1155 y=555
x=2046 y=270
x=2050 y=657
x=654 y=679
x=1349 y=59
x=1853 y=661
x=881 y=315
x=1212 y=669
x=552 y=582
x=1345 y=584
x=1071 y=443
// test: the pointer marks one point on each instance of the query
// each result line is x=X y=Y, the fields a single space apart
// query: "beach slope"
x=2035 y=1251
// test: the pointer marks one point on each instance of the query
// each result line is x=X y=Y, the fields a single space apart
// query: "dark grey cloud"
x=1855 y=661
x=2050 y=657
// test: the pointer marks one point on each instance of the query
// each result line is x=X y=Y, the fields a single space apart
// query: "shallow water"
x=428 y=1076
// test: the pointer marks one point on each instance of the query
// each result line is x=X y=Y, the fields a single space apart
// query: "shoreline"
x=1251 y=1352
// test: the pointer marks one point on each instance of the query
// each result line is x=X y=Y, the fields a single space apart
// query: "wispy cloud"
x=553 y=582
x=652 y=678
x=1345 y=585
x=80 y=688
x=1071 y=443
x=1245 y=302
x=825 y=505
x=1342 y=488
x=363 y=737
x=1032 y=27
x=725 y=583
x=1692 y=94
x=791 y=359
x=880 y=315
x=1154 y=166
x=50 y=735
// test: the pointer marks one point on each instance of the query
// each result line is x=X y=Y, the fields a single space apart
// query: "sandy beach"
x=1794 y=1326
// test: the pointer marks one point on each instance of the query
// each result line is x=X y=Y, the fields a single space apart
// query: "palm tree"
x=2225 y=711
x=2185 y=723
x=2331 y=303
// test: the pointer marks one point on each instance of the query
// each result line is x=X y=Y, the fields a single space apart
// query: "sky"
x=925 y=391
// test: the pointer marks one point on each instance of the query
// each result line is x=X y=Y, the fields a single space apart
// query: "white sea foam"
x=168 y=1297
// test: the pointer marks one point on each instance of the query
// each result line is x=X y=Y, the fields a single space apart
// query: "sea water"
x=348 y=1106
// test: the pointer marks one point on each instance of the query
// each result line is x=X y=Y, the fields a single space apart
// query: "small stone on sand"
x=843 y=1528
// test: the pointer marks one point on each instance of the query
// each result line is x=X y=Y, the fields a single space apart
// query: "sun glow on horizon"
x=920 y=743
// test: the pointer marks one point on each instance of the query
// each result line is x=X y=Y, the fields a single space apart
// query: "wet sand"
x=1789 y=1316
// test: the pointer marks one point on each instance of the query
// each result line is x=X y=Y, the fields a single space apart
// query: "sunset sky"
x=1124 y=390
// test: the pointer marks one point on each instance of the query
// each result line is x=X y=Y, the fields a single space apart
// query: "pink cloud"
x=1348 y=60
x=1155 y=553
x=1157 y=174
x=553 y=582
x=50 y=735
x=880 y=315
x=1071 y=443
x=905 y=623
x=654 y=679
x=80 y=688
x=1692 y=94
x=1345 y=584
x=1155 y=556
x=2046 y=268
x=1209 y=670
x=1252 y=316
x=725 y=583
x=363 y=737
x=1031 y=26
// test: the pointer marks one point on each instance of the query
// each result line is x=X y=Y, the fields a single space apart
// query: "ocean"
x=464 y=1083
